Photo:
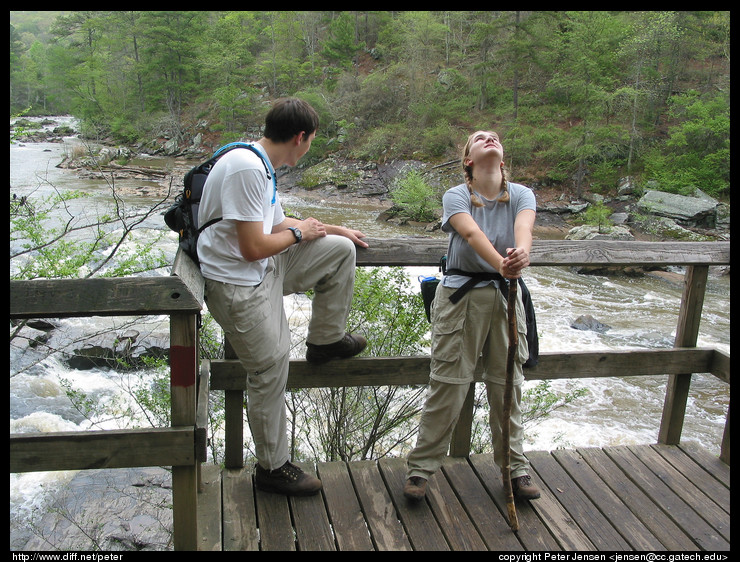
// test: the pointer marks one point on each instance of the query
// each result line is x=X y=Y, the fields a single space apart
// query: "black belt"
x=475 y=278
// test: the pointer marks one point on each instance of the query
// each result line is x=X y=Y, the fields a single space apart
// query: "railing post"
x=689 y=317
x=183 y=376
x=724 y=454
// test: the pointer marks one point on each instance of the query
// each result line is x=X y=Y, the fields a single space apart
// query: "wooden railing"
x=183 y=445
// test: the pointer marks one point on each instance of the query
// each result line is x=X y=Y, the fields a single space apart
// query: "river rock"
x=115 y=350
x=619 y=218
x=122 y=509
x=588 y=322
x=43 y=324
x=171 y=147
x=592 y=232
x=667 y=229
x=626 y=186
x=698 y=211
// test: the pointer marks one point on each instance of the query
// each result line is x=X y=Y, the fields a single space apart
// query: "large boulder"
x=699 y=211
x=120 y=351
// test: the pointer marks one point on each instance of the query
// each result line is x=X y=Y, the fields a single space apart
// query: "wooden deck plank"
x=239 y=511
x=382 y=520
x=710 y=463
x=662 y=526
x=597 y=527
x=311 y=523
x=533 y=533
x=685 y=464
x=209 y=502
x=566 y=530
x=417 y=518
x=345 y=512
x=644 y=498
x=313 y=532
x=694 y=496
x=275 y=525
x=489 y=521
x=607 y=502
x=692 y=524
x=457 y=527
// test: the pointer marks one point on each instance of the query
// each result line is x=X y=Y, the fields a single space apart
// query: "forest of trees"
x=579 y=98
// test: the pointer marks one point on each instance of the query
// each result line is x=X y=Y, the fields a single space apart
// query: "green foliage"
x=32 y=229
x=57 y=237
x=330 y=423
x=210 y=340
x=325 y=173
x=142 y=400
x=697 y=154
x=415 y=199
x=538 y=402
x=341 y=46
x=598 y=214
x=369 y=422
x=573 y=93
x=389 y=312
x=437 y=140
x=379 y=143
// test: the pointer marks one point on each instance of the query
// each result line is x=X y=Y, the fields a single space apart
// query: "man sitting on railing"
x=253 y=257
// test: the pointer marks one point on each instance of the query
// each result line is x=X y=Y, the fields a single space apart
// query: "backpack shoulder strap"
x=232 y=145
x=271 y=175
x=223 y=150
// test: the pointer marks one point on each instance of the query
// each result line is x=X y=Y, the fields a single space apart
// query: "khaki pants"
x=253 y=320
x=473 y=330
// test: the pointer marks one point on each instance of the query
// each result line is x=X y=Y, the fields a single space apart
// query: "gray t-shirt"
x=495 y=219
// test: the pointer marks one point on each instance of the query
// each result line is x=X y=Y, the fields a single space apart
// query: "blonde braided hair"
x=468 y=174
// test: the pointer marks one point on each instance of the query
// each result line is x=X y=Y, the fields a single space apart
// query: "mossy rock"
x=328 y=173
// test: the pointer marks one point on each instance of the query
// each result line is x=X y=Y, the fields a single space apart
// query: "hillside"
x=580 y=98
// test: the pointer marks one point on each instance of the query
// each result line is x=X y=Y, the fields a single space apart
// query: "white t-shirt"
x=495 y=219
x=237 y=189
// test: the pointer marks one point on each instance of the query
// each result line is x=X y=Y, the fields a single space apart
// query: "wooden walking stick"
x=508 y=397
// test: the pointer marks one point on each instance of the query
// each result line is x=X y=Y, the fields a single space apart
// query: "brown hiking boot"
x=349 y=346
x=415 y=488
x=288 y=479
x=524 y=488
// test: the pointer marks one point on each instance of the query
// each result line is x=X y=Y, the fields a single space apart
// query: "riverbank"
x=631 y=212
x=161 y=166
x=560 y=213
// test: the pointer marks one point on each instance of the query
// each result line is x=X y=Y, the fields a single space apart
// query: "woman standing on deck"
x=489 y=221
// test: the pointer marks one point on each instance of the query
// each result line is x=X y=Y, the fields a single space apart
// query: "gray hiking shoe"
x=288 y=479
x=524 y=489
x=349 y=346
x=415 y=488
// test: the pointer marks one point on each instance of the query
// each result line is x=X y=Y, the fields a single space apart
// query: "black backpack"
x=182 y=216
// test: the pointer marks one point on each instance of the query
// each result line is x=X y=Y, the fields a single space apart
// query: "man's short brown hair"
x=288 y=117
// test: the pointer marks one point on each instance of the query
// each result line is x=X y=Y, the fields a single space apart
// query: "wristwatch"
x=296 y=233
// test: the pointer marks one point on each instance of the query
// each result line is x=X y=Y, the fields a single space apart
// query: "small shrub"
x=598 y=215
x=415 y=198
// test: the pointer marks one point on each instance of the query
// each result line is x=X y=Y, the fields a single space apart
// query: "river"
x=642 y=312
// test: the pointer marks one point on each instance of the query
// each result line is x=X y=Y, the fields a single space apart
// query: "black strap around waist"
x=475 y=278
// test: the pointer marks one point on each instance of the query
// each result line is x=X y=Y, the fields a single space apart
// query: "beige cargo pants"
x=473 y=330
x=254 y=321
